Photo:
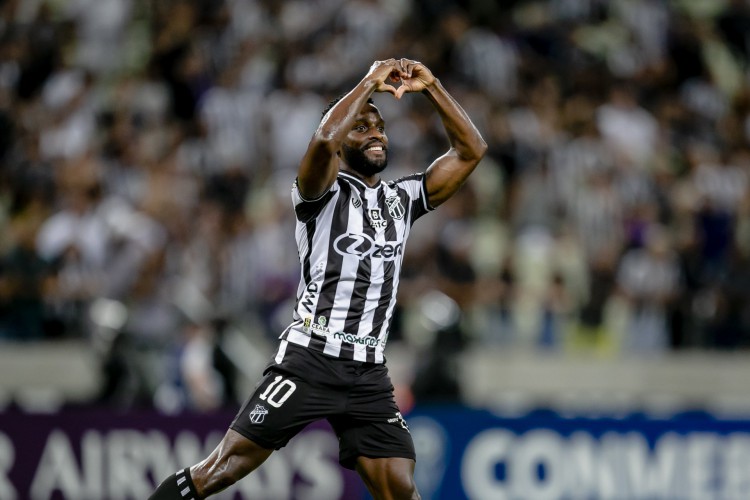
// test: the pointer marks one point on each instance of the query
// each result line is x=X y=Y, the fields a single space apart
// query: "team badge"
x=395 y=208
x=258 y=414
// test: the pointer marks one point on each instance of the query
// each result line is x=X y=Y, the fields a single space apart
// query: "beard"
x=360 y=163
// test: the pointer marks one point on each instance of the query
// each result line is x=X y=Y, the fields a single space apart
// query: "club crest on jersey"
x=376 y=218
x=395 y=208
x=258 y=414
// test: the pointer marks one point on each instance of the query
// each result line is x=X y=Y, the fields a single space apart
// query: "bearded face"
x=368 y=160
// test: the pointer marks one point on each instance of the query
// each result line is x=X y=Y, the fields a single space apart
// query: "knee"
x=389 y=478
x=403 y=487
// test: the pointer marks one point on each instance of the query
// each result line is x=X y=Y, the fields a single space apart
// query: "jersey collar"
x=351 y=177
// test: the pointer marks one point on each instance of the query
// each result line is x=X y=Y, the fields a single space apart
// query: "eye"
x=381 y=129
x=360 y=128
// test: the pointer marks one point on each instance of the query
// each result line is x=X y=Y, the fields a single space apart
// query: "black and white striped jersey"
x=351 y=246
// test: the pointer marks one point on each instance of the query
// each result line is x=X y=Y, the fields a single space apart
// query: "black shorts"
x=354 y=396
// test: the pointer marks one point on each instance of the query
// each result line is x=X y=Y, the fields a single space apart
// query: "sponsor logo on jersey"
x=319 y=328
x=399 y=420
x=309 y=298
x=395 y=208
x=353 y=339
x=376 y=218
x=317 y=272
x=258 y=414
x=363 y=246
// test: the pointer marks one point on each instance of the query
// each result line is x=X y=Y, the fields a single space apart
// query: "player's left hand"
x=417 y=77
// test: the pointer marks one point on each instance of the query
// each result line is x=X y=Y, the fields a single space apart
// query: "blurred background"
x=594 y=273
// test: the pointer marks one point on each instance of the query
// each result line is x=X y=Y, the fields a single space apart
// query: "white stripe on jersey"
x=373 y=290
x=351 y=243
x=280 y=353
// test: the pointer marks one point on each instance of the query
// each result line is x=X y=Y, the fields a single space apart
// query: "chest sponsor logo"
x=376 y=218
x=363 y=246
x=395 y=208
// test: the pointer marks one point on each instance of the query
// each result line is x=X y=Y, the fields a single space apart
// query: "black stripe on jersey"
x=309 y=209
x=339 y=225
x=389 y=270
x=361 y=285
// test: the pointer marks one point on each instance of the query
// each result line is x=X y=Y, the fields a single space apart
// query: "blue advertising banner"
x=474 y=454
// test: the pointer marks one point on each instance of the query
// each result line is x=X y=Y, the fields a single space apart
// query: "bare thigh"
x=235 y=457
x=388 y=478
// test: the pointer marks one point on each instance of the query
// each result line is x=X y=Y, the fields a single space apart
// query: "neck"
x=371 y=181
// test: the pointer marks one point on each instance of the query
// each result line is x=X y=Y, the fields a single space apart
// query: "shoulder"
x=417 y=178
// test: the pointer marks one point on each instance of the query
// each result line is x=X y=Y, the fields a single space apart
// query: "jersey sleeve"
x=305 y=209
x=416 y=190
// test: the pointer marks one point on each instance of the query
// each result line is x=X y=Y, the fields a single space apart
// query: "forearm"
x=464 y=137
x=338 y=121
x=319 y=166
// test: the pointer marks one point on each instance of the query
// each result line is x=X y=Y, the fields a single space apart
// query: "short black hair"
x=335 y=101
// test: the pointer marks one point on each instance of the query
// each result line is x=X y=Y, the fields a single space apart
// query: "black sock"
x=178 y=486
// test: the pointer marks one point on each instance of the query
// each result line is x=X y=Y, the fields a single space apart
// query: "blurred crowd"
x=148 y=147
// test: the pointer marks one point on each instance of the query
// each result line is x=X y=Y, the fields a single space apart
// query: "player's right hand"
x=383 y=71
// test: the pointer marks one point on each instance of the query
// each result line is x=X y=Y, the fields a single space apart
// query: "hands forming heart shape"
x=413 y=76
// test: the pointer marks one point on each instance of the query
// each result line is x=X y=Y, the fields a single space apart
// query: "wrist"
x=369 y=84
x=434 y=87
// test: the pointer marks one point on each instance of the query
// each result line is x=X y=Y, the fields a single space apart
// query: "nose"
x=377 y=134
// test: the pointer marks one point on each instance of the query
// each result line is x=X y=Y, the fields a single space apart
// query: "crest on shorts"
x=258 y=414
x=395 y=208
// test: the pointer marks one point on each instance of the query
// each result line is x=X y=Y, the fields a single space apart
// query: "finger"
x=387 y=88
x=397 y=63
x=403 y=89
x=408 y=66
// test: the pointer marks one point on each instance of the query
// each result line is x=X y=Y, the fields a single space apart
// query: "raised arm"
x=320 y=164
x=448 y=172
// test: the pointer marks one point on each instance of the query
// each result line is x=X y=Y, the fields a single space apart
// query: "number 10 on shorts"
x=278 y=391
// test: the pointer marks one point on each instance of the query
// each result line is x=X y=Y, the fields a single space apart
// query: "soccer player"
x=351 y=231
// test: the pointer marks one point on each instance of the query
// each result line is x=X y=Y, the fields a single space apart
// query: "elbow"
x=481 y=148
x=476 y=151
x=325 y=141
